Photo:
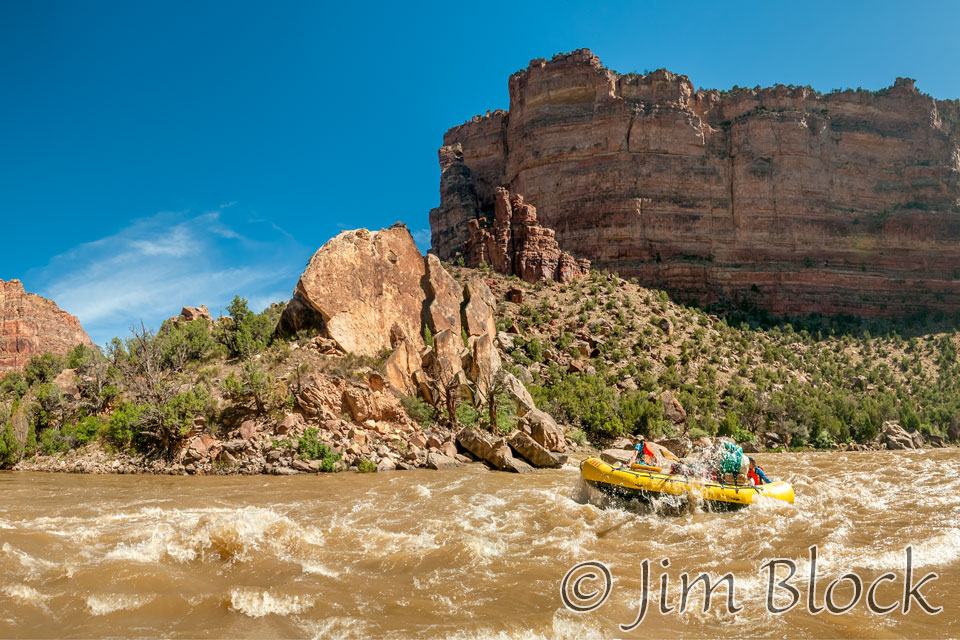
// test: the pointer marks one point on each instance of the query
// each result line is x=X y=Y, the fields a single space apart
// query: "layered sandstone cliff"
x=31 y=325
x=847 y=202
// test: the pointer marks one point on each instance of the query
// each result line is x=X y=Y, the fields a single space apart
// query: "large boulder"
x=440 y=461
x=534 y=453
x=545 y=430
x=680 y=447
x=918 y=440
x=897 y=437
x=447 y=355
x=518 y=393
x=363 y=284
x=476 y=442
x=478 y=317
x=502 y=459
x=616 y=456
x=444 y=295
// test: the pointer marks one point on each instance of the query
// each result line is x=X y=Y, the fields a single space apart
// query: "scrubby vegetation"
x=145 y=394
x=598 y=352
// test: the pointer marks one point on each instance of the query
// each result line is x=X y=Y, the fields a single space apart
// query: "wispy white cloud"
x=156 y=265
x=422 y=238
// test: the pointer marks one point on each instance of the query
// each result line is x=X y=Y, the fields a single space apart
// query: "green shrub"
x=367 y=466
x=13 y=385
x=578 y=436
x=43 y=368
x=418 y=410
x=247 y=332
x=252 y=385
x=309 y=447
x=123 y=427
x=10 y=447
x=467 y=415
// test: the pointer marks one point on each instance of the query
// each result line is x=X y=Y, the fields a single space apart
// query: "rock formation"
x=517 y=245
x=366 y=287
x=31 y=325
x=800 y=202
x=372 y=292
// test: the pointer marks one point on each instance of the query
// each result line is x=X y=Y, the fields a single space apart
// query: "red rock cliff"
x=31 y=325
x=847 y=202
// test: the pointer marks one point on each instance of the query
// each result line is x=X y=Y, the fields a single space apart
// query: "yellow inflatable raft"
x=647 y=482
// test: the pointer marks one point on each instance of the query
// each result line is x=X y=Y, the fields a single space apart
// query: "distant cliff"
x=31 y=325
x=798 y=201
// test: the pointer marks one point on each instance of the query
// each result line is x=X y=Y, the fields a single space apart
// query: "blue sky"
x=160 y=154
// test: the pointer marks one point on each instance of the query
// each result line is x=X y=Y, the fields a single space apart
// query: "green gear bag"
x=732 y=458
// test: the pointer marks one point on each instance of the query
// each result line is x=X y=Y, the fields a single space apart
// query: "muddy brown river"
x=469 y=553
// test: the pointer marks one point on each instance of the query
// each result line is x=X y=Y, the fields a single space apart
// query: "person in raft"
x=642 y=455
x=756 y=474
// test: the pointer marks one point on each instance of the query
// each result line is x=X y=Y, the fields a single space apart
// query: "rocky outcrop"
x=31 y=325
x=366 y=285
x=517 y=245
x=372 y=293
x=797 y=201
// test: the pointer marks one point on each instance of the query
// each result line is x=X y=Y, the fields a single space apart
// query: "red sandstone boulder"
x=545 y=431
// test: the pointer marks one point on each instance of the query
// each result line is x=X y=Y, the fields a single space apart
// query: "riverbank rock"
x=616 y=456
x=897 y=437
x=680 y=446
x=545 y=430
x=439 y=461
x=534 y=453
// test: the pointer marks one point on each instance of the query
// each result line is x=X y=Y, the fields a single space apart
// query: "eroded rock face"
x=363 y=283
x=517 y=245
x=847 y=202
x=31 y=325
x=444 y=297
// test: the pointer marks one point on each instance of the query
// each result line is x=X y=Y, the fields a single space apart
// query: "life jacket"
x=646 y=455
x=753 y=476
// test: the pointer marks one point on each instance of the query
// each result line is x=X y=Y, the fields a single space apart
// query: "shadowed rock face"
x=517 y=245
x=31 y=325
x=800 y=202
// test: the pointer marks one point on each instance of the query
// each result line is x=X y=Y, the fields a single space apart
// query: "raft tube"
x=648 y=484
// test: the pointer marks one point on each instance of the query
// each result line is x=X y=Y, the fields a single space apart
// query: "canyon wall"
x=800 y=202
x=31 y=325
